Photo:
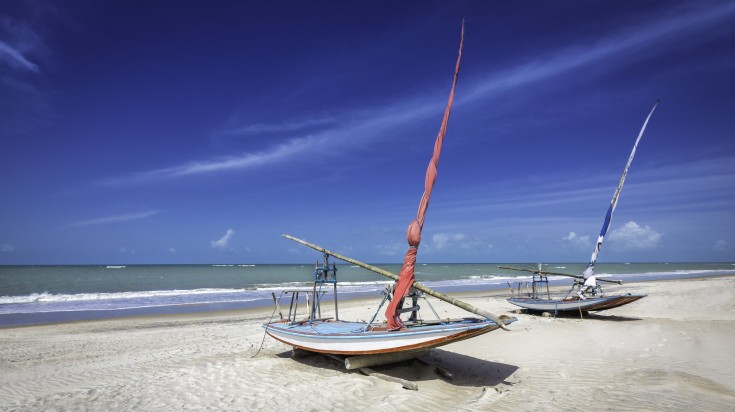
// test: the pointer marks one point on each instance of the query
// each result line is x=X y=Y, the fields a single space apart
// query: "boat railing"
x=297 y=298
x=533 y=289
x=324 y=274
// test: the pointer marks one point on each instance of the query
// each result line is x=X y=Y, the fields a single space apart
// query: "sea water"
x=42 y=294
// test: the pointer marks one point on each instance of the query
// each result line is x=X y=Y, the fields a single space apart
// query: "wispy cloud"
x=112 y=219
x=284 y=127
x=224 y=241
x=15 y=58
x=369 y=124
x=24 y=56
x=364 y=126
x=392 y=249
x=455 y=241
x=242 y=162
x=722 y=245
x=7 y=248
x=125 y=251
x=560 y=61
x=695 y=184
x=577 y=241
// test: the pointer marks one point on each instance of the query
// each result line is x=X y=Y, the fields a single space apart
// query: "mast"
x=614 y=201
x=413 y=234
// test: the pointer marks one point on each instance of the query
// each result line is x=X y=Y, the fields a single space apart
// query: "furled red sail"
x=414 y=228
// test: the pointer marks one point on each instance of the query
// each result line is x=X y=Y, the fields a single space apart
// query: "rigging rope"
x=265 y=330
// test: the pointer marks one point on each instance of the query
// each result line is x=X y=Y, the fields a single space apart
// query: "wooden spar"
x=369 y=372
x=542 y=272
x=405 y=383
x=458 y=303
x=364 y=361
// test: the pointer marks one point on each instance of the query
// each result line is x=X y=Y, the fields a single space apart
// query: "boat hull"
x=576 y=305
x=350 y=338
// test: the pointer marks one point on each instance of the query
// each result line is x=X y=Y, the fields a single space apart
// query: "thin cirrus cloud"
x=15 y=58
x=650 y=34
x=455 y=241
x=292 y=126
x=112 y=219
x=722 y=245
x=695 y=185
x=369 y=123
x=244 y=161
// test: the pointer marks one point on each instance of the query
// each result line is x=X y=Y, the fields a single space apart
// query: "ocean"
x=46 y=294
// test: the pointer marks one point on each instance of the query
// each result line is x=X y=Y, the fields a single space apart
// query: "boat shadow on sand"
x=576 y=315
x=453 y=368
x=611 y=318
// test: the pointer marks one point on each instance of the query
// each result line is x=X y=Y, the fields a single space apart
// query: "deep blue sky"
x=199 y=132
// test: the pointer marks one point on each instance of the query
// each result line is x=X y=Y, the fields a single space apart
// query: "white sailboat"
x=395 y=338
x=589 y=296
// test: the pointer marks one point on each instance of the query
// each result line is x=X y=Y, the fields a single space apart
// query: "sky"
x=153 y=132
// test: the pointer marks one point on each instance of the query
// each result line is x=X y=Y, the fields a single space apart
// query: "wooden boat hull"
x=576 y=305
x=349 y=338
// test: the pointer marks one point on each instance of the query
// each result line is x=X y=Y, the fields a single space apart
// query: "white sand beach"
x=673 y=350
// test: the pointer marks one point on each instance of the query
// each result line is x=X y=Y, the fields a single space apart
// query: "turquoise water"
x=36 y=294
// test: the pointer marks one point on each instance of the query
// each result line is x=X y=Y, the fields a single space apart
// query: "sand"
x=673 y=350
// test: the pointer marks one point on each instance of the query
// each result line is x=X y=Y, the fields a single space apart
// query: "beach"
x=672 y=350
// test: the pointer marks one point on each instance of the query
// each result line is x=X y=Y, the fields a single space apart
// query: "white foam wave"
x=49 y=297
x=56 y=309
x=676 y=273
x=493 y=277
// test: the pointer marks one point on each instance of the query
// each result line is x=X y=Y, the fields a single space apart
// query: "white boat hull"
x=350 y=338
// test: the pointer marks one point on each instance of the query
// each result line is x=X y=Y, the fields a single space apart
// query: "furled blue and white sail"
x=614 y=201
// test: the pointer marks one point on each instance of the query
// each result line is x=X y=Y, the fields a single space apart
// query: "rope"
x=386 y=296
x=265 y=330
x=580 y=312
x=430 y=306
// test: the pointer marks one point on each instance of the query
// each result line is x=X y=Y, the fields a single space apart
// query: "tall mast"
x=413 y=234
x=614 y=201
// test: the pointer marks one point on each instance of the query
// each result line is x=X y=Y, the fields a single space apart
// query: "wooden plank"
x=406 y=384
